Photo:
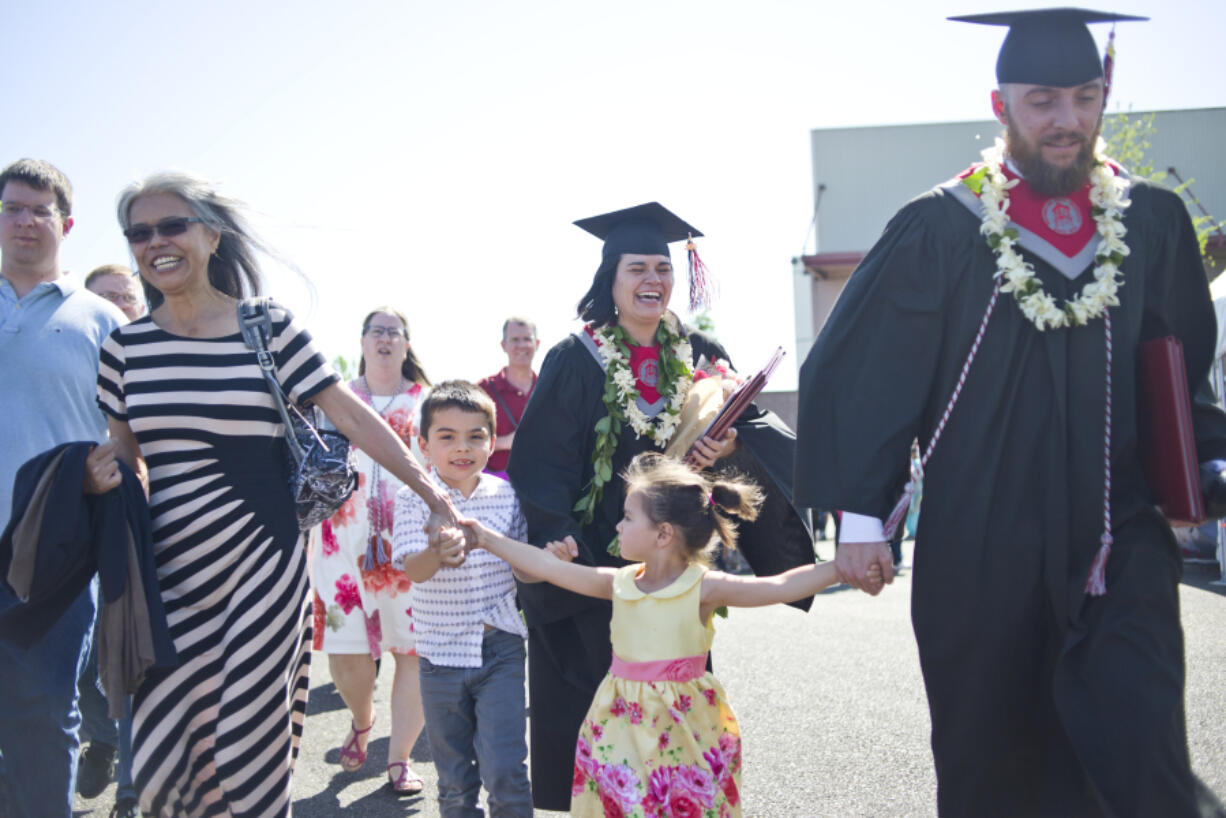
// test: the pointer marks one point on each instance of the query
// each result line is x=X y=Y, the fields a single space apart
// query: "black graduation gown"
x=569 y=649
x=1043 y=700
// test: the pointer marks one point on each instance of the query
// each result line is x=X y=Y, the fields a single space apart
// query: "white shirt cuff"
x=859 y=528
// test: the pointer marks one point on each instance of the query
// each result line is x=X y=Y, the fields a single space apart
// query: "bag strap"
x=255 y=322
x=507 y=409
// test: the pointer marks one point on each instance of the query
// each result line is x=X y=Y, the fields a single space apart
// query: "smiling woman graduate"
x=605 y=394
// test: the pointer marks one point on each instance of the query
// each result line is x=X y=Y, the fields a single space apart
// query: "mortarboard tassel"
x=1108 y=65
x=701 y=285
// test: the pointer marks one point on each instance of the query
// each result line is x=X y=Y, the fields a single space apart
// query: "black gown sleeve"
x=781 y=538
x=864 y=384
x=551 y=448
x=1179 y=304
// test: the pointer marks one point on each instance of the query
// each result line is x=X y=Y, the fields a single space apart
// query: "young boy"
x=470 y=637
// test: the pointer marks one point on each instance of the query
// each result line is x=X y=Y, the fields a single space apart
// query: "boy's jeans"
x=475 y=725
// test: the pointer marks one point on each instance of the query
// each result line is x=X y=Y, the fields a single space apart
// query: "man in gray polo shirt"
x=50 y=332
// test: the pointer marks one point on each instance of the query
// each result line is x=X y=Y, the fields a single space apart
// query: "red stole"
x=645 y=364
x=1064 y=222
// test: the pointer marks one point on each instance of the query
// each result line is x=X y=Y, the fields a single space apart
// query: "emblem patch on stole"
x=649 y=372
x=1062 y=216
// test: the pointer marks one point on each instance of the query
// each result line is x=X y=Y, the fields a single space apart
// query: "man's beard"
x=1044 y=177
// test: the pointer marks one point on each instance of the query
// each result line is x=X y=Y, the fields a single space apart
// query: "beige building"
x=862 y=176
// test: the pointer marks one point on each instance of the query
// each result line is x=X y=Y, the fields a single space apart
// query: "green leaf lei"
x=620 y=396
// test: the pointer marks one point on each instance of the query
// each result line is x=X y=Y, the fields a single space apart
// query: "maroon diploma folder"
x=1168 y=450
x=739 y=401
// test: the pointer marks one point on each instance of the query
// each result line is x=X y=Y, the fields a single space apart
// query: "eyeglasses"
x=394 y=333
x=40 y=213
x=166 y=228
x=121 y=298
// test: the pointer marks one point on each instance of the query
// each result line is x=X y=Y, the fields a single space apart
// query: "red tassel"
x=701 y=285
x=1096 y=582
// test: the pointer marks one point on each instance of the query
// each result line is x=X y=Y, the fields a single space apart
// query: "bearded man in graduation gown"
x=1045 y=585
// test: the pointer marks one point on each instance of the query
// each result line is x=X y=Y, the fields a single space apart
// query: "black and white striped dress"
x=218 y=734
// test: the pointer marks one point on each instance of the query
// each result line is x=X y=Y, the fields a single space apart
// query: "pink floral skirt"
x=660 y=748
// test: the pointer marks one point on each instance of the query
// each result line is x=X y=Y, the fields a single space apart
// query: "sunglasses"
x=166 y=228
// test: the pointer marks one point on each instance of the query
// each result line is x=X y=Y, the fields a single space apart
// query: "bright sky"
x=432 y=155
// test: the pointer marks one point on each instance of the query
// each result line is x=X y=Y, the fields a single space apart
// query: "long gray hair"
x=232 y=267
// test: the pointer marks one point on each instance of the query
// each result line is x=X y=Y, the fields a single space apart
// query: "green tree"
x=1129 y=142
x=346 y=367
x=702 y=321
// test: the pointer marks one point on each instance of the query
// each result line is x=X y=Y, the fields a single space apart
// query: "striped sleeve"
x=111 y=358
x=301 y=368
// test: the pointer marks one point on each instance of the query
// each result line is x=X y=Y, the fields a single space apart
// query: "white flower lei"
x=1108 y=195
x=617 y=369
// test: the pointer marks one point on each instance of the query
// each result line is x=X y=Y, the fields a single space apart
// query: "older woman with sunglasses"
x=218 y=734
x=362 y=605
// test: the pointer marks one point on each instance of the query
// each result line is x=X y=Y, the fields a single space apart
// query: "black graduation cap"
x=646 y=229
x=1048 y=46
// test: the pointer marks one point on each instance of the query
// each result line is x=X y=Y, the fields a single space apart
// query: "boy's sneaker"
x=126 y=808
x=95 y=768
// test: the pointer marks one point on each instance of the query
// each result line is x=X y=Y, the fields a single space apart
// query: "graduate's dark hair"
x=462 y=395
x=699 y=508
x=410 y=369
x=597 y=307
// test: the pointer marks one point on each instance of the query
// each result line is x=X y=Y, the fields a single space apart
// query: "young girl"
x=660 y=738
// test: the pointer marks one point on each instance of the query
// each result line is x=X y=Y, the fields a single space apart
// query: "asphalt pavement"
x=831 y=707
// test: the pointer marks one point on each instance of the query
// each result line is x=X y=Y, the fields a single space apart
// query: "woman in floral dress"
x=362 y=606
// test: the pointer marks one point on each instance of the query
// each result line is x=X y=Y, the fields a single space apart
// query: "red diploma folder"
x=1168 y=449
x=739 y=401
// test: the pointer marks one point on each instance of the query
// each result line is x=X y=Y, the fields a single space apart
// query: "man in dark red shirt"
x=511 y=386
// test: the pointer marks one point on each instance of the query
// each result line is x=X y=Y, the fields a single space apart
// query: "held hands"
x=446 y=539
x=475 y=534
x=707 y=449
x=865 y=566
x=101 y=469
x=444 y=514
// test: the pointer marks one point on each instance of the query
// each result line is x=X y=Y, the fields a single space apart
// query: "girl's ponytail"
x=734 y=498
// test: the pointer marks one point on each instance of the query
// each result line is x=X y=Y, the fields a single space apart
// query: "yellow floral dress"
x=659 y=739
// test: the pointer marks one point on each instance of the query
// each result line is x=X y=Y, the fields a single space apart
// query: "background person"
x=1045 y=591
x=567 y=420
x=362 y=603
x=50 y=332
x=189 y=408
x=119 y=285
x=109 y=752
x=511 y=387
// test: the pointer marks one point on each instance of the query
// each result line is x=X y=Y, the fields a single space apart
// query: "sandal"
x=406 y=782
x=352 y=755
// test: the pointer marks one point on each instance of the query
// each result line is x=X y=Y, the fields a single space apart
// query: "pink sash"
x=664 y=670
